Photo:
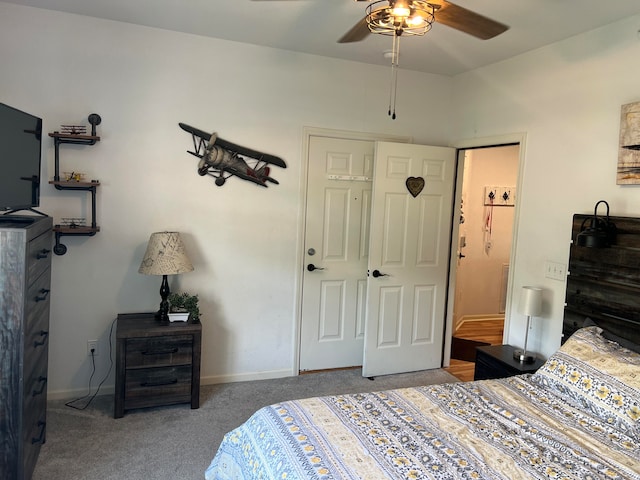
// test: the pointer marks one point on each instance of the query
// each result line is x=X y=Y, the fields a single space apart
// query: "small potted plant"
x=182 y=306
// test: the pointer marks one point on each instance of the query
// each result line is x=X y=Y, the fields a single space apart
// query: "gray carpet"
x=175 y=442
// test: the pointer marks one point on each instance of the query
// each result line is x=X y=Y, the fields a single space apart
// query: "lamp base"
x=162 y=315
x=523 y=356
x=163 y=312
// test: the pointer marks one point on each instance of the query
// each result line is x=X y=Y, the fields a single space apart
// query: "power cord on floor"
x=93 y=371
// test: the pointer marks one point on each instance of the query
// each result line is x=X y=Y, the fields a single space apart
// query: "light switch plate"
x=555 y=270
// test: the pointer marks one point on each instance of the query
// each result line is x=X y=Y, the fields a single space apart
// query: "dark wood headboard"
x=604 y=283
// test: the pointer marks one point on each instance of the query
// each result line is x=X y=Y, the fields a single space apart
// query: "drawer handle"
x=173 y=381
x=43 y=429
x=160 y=352
x=44 y=253
x=44 y=334
x=42 y=380
x=45 y=294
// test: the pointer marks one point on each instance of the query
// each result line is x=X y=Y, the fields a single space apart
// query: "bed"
x=577 y=417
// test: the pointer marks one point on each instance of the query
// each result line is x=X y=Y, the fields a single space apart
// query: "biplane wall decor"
x=222 y=159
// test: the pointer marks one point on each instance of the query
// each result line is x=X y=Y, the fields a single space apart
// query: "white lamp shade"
x=530 y=301
x=165 y=255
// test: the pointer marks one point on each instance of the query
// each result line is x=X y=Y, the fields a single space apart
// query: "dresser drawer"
x=34 y=431
x=159 y=351
x=35 y=373
x=147 y=386
x=37 y=303
x=35 y=402
x=38 y=256
x=35 y=379
x=36 y=349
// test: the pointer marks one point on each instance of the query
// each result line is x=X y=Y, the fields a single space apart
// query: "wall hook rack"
x=75 y=228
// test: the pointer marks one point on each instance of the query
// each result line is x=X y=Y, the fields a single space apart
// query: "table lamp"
x=165 y=255
x=530 y=305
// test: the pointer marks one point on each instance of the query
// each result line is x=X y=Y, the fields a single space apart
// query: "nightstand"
x=157 y=363
x=496 y=361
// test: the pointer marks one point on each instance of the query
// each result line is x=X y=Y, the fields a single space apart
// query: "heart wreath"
x=415 y=185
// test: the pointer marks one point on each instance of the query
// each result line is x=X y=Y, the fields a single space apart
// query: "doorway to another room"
x=485 y=233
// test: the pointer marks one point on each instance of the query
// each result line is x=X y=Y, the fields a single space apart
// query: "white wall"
x=241 y=238
x=567 y=98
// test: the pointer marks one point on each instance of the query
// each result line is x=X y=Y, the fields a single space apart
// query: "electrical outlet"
x=555 y=271
x=92 y=345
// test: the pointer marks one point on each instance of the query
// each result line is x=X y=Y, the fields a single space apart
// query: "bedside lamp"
x=530 y=305
x=165 y=255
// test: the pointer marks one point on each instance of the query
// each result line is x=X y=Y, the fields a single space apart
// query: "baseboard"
x=79 y=393
x=245 y=377
x=209 y=380
x=478 y=318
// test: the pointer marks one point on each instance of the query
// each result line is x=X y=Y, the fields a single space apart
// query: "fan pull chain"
x=395 y=54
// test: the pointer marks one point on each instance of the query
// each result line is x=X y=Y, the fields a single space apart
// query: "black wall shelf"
x=70 y=184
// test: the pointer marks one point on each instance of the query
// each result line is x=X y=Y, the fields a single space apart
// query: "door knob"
x=378 y=273
x=311 y=267
x=460 y=255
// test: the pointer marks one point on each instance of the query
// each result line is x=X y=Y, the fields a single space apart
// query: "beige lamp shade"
x=530 y=301
x=165 y=255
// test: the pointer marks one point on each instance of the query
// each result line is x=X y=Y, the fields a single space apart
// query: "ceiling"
x=314 y=26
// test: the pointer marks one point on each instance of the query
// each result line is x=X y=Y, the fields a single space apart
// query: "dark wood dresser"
x=25 y=282
x=496 y=361
x=157 y=363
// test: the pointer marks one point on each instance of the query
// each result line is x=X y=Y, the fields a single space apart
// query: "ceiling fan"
x=397 y=17
x=398 y=14
x=400 y=18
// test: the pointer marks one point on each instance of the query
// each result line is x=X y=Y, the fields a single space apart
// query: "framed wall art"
x=629 y=150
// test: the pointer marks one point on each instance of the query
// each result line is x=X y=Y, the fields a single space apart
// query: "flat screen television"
x=20 y=157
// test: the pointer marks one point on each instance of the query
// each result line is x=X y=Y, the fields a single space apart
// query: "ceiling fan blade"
x=460 y=18
x=358 y=32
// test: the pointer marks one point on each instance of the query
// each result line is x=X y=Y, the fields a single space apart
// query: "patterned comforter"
x=512 y=428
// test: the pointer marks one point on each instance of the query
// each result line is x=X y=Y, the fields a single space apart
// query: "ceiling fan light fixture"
x=401 y=11
x=400 y=18
x=416 y=21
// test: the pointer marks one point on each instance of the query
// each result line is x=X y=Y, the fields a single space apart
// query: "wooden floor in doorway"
x=489 y=331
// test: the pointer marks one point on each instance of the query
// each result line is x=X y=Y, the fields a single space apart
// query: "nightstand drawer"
x=487 y=370
x=145 y=386
x=496 y=361
x=159 y=351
